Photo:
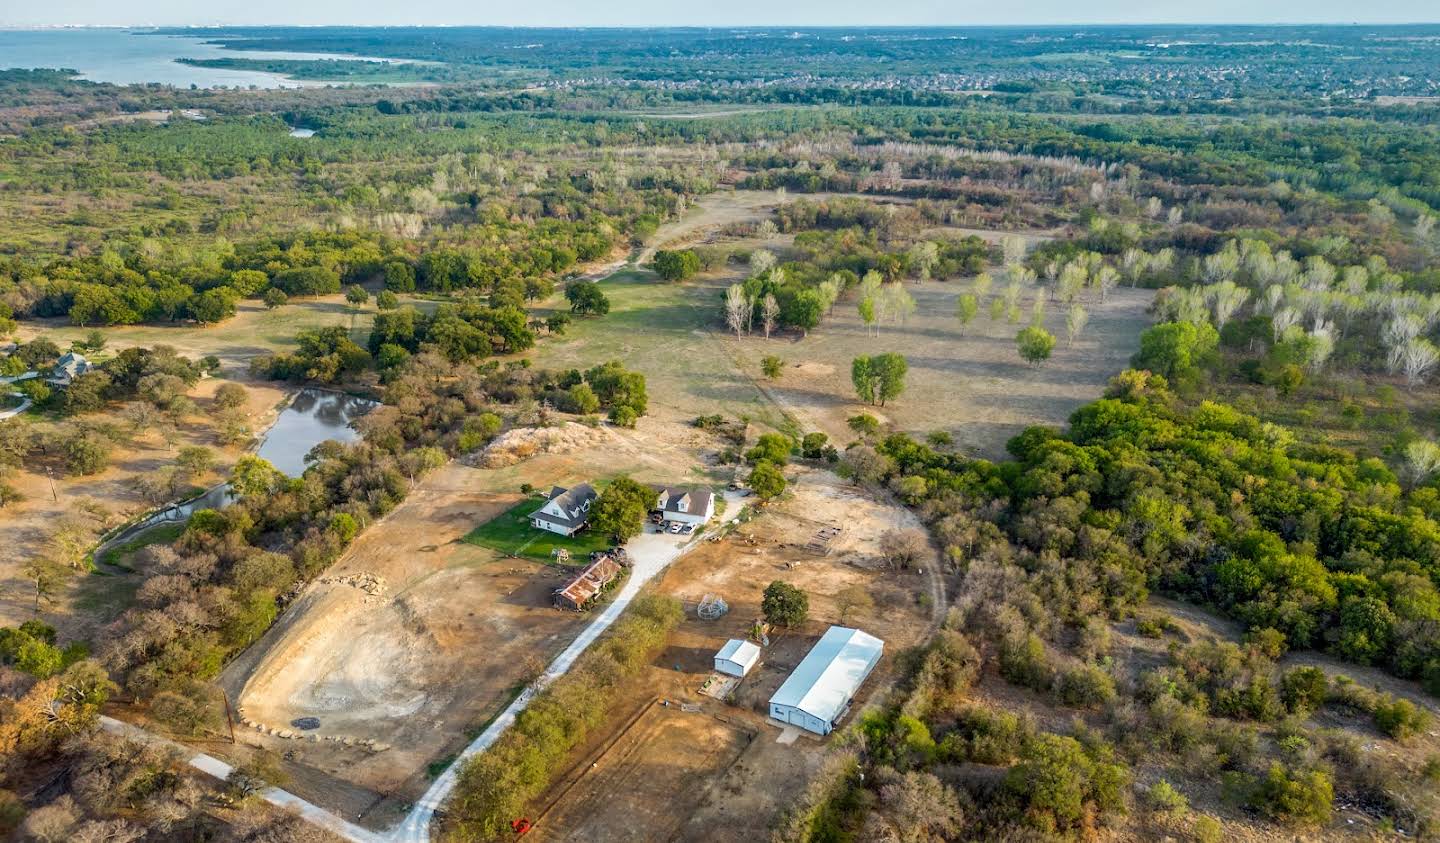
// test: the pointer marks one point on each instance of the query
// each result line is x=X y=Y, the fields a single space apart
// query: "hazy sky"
x=731 y=12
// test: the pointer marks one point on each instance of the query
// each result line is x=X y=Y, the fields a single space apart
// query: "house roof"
x=830 y=674
x=570 y=501
x=670 y=499
x=741 y=652
x=590 y=581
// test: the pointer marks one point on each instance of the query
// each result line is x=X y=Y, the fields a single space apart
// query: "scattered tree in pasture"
x=784 y=605
x=274 y=297
x=737 y=309
x=965 y=309
x=1035 y=344
x=676 y=265
x=587 y=299
x=1075 y=320
x=879 y=378
x=771 y=366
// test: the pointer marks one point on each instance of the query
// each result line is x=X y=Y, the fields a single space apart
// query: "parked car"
x=675 y=526
x=688 y=529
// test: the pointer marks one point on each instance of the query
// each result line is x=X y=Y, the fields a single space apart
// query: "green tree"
x=771 y=366
x=356 y=295
x=621 y=509
x=784 y=605
x=965 y=309
x=1035 y=344
x=274 y=297
x=773 y=448
x=880 y=378
x=1175 y=349
x=767 y=480
x=676 y=265
x=586 y=299
x=386 y=300
x=254 y=477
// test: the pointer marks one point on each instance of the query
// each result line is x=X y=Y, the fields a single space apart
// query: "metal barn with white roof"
x=736 y=657
x=819 y=691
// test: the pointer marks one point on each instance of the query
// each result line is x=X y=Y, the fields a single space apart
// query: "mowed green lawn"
x=510 y=533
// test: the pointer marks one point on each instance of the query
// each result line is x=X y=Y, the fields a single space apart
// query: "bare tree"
x=737 y=309
x=1422 y=461
x=1226 y=297
x=1013 y=248
x=769 y=313
x=761 y=261
x=1075 y=323
x=1105 y=279
x=903 y=547
x=1415 y=359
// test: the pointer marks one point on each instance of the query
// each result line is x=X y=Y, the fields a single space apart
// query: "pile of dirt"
x=522 y=443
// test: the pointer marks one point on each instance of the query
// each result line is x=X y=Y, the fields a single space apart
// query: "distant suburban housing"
x=737 y=657
x=685 y=505
x=819 y=692
x=565 y=511
x=578 y=593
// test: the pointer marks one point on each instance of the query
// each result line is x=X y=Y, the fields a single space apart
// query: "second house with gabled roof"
x=566 y=511
x=688 y=506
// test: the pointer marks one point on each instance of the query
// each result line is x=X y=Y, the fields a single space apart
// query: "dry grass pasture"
x=974 y=387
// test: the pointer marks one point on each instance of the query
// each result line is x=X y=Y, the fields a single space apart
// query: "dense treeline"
x=1205 y=502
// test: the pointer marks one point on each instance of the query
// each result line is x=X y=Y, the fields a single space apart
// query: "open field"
x=974 y=387
x=664 y=331
x=254 y=330
x=510 y=534
x=665 y=773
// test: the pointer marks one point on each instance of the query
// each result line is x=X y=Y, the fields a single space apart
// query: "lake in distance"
x=136 y=57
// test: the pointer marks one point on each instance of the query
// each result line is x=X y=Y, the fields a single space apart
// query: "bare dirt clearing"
x=975 y=387
x=444 y=641
x=705 y=777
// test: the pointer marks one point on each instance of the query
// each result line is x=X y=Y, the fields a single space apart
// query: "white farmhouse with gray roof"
x=688 y=506
x=565 y=511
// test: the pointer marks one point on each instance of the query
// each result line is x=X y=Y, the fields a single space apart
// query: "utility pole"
x=51 y=476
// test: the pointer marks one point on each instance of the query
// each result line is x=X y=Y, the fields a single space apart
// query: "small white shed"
x=736 y=658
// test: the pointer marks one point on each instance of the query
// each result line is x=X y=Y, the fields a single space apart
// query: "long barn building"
x=818 y=693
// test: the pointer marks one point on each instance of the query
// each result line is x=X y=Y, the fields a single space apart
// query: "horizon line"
x=693 y=26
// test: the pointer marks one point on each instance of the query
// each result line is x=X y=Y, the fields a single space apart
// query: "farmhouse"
x=578 y=593
x=69 y=367
x=818 y=694
x=685 y=505
x=736 y=658
x=566 y=511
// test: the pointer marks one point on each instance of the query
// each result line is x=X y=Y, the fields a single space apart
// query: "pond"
x=312 y=416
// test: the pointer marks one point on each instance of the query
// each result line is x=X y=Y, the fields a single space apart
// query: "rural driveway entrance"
x=650 y=553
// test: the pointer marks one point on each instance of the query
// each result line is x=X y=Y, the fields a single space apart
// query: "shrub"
x=1400 y=719
x=1162 y=797
x=1304 y=689
x=1084 y=686
x=1301 y=797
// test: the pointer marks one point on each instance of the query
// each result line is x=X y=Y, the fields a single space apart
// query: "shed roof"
x=830 y=674
x=739 y=651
